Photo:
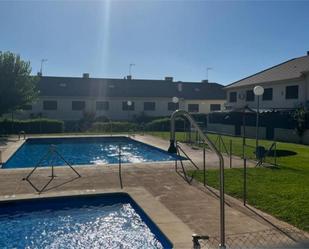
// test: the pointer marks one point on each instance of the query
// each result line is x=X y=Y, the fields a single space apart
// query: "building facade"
x=286 y=86
x=69 y=98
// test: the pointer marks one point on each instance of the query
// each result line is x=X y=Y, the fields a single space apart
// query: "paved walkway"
x=178 y=208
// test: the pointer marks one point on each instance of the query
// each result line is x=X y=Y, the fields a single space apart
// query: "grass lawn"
x=282 y=192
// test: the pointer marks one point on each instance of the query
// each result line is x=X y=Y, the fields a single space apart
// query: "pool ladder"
x=179 y=158
x=206 y=140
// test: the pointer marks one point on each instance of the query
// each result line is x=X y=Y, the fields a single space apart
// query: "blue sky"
x=163 y=38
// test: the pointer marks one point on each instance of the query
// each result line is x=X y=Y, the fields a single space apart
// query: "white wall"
x=278 y=101
x=115 y=112
x=204 y=105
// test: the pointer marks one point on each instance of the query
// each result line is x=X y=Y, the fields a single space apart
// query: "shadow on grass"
x=281 y=153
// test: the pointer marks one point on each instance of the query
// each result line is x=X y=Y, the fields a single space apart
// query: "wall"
x=250 y=132
x=115 y=112
x=204 y=105
x=221 y=128
x=279 y=100
x=286 y=135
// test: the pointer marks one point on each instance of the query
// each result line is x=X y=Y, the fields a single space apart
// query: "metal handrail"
x=111 y=127
x=182 y=166
x=186 y=155
x=119 y=165
x=22 y=133
x=173 y=149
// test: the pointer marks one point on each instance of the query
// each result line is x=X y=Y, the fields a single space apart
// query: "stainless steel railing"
x=173 y=149
x=119 y=165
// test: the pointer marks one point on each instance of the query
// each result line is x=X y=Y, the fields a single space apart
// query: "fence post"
x=245 y=182
x=204 y=165
x=243 y=147
x=275 y=154
x=231 y=150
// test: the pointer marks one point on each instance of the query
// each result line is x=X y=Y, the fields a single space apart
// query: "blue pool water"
x=86 y=150
x=78 y=222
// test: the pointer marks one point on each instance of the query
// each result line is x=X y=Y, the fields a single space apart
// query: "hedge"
x=164 y=124
x=31 y=126
x=116 y=127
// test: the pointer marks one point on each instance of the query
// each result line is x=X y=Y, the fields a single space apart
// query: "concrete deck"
x=179 y=209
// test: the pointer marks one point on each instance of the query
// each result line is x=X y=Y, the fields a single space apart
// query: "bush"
x=116 y=127
x=144 y=118
x=164 y=124
x=31 y=126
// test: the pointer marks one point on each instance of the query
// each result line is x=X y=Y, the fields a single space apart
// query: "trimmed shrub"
x=116 y=127
x=164 y=124
x=31 y=126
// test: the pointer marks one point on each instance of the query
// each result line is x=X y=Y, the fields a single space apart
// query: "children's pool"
x=77 y=222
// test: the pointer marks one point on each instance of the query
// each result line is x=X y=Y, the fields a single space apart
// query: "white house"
x=68 y=98
x=286 y=86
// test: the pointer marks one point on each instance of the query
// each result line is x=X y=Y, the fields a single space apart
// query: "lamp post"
x=172 y=148
x=129 y=103
x=258 y=91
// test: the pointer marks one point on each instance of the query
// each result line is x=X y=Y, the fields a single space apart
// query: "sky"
x=162 y=38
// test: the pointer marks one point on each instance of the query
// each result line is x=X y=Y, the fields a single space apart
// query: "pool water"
x=85 y=151
x=75 y=222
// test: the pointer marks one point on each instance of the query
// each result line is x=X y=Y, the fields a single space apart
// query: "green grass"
x=282 y=192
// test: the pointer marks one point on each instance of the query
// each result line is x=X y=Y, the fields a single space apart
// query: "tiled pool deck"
x=179 y=209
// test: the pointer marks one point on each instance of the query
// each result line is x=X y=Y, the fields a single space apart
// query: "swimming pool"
x=85 y=151
x=92 y=221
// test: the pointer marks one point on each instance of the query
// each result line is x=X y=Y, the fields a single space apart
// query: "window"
x=215 y=107
x=249 y=95
x=78 y=105
x=102 y=105
x=171 y=106
x=291 y=92
x=193 y=107
x=50 y=105
x=233 y=96
x=27 y=107
x=268 y=94
x=149 y=106
x=126 y=107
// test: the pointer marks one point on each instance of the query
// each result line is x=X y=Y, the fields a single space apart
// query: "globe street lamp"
x=175 y=100
x=258 y=91
x=129 y=103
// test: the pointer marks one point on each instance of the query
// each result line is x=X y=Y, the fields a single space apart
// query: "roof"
x=290 y=69
x=96 y=87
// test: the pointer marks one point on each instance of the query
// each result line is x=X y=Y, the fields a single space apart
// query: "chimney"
x=205 y=81
x=308 y=52
x=179 y=86
x=86 y=75
x=129 y=77
x=167 y=78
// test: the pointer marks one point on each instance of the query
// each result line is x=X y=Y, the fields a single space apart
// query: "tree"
x=17 y=87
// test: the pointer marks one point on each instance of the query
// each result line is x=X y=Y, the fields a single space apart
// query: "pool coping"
x=170 y=225
x=10 y=151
